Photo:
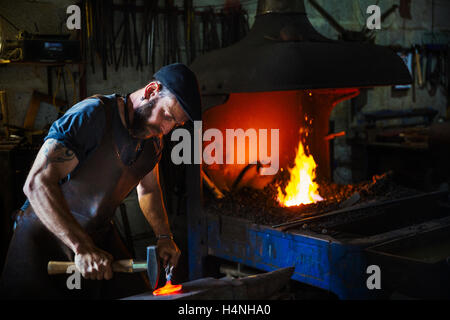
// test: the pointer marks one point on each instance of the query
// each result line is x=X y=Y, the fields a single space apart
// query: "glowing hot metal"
x=168 y=289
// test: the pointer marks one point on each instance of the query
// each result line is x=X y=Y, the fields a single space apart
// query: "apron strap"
x=107 y=106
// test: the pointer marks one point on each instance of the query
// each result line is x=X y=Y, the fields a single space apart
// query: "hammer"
x=152 y=266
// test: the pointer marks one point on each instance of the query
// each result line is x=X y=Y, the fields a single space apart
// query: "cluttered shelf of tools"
x=41 y=63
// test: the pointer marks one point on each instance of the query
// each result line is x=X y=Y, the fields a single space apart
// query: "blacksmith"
x=92 y=157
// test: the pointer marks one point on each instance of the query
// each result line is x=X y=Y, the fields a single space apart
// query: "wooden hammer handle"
x=60 y=267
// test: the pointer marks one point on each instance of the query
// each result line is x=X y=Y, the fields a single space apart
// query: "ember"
x=168 y=289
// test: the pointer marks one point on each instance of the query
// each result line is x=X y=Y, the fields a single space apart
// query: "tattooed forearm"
x=56 y=152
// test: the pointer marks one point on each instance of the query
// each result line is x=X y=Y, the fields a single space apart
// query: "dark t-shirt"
x=82 y=127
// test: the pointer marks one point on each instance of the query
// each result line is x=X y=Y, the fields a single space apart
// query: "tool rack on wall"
x=148 y=35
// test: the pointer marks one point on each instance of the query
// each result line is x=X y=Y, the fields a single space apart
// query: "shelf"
x=40 y=63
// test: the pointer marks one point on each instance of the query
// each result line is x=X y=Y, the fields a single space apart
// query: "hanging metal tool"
x=418 y=66
x=89 y=32
x=155 y=36
x=234 y=24
x=4 y=115
x=188 y=23
x=210 y=35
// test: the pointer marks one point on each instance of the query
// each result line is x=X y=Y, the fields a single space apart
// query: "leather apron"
x=93 y=193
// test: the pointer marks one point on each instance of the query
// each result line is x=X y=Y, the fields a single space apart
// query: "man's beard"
x=139 y=128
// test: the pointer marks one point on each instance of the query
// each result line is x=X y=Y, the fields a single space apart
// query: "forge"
x=284 y=75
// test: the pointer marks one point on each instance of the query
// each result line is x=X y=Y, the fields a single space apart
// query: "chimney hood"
x=283 y=52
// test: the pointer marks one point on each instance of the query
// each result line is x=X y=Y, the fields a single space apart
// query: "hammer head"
x=153 y=266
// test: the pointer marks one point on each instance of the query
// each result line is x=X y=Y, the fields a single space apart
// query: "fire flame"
x=168 y=289
x=301 y=188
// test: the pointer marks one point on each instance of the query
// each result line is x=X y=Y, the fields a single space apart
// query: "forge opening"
x=301 y=118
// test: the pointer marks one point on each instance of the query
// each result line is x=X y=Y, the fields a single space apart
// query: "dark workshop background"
x=428 y=23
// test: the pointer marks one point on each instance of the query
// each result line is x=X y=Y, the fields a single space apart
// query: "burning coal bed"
x=263 y=206
x=297 y=193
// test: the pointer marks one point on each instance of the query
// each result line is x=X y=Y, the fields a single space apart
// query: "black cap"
x=182 y=82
